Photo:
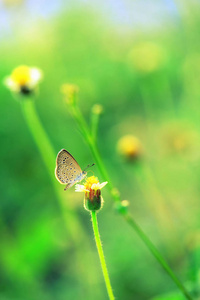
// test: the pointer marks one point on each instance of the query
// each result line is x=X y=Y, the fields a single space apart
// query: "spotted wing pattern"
x=67 y=169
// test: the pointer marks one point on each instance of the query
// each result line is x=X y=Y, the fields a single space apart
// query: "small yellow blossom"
x=23 y=79
x=179 y=138
x=129 y=146
x=122 y=206
x=97 y=109
x=92 y=189
x=147 y=57
x=70 y=91
x=12 y=2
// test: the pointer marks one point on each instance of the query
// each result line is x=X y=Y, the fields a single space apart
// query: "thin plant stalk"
x=157 y=255
x=84 y=129
x=95 y=114
x=48 y=154
x=101 y=255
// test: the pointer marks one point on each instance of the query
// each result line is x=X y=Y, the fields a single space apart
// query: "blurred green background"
x=141 y=62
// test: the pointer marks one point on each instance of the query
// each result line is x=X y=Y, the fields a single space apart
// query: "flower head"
x=70 y=91
x=23 y=80
x=92 y=189
x=129 y=146
x=147 y=57
x=179 y=138
x=97 y=109
x=122 y=206
x=10 y=3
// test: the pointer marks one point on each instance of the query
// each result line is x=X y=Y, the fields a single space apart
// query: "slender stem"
x=48 y=154
x=77 y=115
x=94 y=125
x=92 y=145
x=156 y=254
x=42 y=141
x=70 y=220
x=101 y=255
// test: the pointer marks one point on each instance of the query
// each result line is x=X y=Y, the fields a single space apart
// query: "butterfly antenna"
x=88 y=166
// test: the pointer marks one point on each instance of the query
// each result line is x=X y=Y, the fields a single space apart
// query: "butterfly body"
x=68 y=170
x=79 y=178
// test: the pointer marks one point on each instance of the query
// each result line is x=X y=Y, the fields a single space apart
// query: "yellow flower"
x=122 y=206
x=129 y=146
x=92 y=189
x=179 y=138
x=12 y=2
x=147 y=57
x=70 y=91
x=97 y=109
x=23 y=79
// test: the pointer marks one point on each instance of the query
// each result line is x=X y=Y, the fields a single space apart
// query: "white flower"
x=93 y=200
x=92 y=183
x=23 y=79
x=98 y=186
x=80 y=188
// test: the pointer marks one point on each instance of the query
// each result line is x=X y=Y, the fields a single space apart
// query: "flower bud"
x=97 y=109
x=93 y=200
x=70 y=91
x=122 y=207
x=147 y=57
x=129 y=146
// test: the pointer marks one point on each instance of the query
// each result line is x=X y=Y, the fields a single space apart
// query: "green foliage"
x=157 y=102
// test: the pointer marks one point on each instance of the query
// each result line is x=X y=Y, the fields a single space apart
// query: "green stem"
x=83 y=127
x=157 y=255
x=48 y=154
x=87 y=136
x=94 y=125
x=101 y=255
x=70 y=220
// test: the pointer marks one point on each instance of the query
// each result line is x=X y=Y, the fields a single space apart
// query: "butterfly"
x=68 y=170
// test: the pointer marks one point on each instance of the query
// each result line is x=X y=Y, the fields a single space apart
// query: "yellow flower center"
x=21 y=75
x=90 y=181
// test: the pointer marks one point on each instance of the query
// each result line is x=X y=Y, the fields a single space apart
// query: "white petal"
x=103 y=184
x=95 y=186
x=80 y=188
x=36 y=76
x=11 y=84
x=98 y=186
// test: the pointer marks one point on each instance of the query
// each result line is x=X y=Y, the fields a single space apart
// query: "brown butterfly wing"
x=67 y=168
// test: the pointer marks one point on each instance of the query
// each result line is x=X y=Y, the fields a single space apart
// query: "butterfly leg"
x=69 y=185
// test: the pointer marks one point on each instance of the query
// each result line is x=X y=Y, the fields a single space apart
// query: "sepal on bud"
x=93 y=200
